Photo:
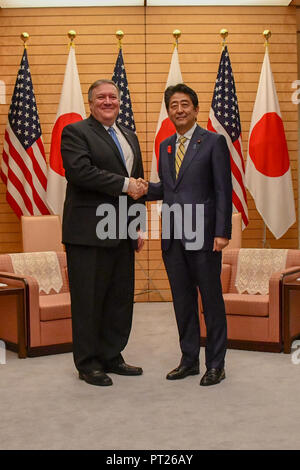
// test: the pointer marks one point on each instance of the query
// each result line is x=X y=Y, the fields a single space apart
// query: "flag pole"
x=224 y=34
x=119 y=36
x=25 y=36
x=267 y=34
x=71 y=36
x=176 y=34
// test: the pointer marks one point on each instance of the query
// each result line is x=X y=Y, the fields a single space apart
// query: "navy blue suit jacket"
x=204 y=178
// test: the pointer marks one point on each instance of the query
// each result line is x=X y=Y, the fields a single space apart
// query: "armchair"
x=48 y=315
x=254 y=321
x=236 y=235
x=41 y=233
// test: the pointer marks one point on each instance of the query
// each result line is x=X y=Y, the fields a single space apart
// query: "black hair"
x=180 y=88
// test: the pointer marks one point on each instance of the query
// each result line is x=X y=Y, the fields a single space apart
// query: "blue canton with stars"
x=125 y=117
x=224 y=102
x=23 y=116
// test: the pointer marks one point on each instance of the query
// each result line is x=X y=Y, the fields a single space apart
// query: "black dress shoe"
x=122 y=368
x=96 y=377
x=182 y=371
x=212 y=377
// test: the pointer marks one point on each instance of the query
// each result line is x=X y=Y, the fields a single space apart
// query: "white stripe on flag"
x=220 y=130
x=14 y=167
x=28 y=163
x=40 y=158
x=236 y=157
x=4 y=168
x=14 y=193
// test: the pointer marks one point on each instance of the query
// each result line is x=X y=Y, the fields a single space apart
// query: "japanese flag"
x=70 y=109
x=165 y=127
x=268 y=172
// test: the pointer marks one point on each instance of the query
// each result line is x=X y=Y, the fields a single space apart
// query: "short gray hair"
x=100 y=82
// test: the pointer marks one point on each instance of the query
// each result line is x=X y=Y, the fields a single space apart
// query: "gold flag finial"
x=176 y=34
x=119 y=36
x=267 y=34
x=224 y=34
x=24 y=36
x=71 y=36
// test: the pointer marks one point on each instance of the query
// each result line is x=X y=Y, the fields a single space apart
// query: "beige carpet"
x=45 y=406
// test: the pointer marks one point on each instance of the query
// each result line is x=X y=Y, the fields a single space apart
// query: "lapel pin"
x=169 y=149
x=195 y=145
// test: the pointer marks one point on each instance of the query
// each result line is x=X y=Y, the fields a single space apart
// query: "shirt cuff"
x=125 y=186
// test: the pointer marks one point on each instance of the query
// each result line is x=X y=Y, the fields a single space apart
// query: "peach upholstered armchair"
x=236 y=235
x=47 y=307
x=255 y=321
x=41 y=233
x=47 y=302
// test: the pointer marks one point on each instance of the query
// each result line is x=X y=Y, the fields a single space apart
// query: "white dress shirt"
x=127 y=152
x=187 y=135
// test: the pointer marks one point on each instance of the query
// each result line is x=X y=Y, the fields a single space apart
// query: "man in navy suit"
x=195 y=179
x=102 y=162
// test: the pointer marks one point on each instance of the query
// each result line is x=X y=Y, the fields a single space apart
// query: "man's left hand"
x=140 y=241
x=220 y=243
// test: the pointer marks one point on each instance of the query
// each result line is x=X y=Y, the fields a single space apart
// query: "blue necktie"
x=113 y=134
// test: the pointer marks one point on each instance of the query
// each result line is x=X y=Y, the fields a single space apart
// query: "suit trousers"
x=102 y=290
x=188 y=271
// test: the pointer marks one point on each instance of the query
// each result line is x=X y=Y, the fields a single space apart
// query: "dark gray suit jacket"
x=204 y=178
x=95 y=174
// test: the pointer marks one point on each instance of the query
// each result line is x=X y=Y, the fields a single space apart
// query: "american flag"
x=125 y=117
x=24 y=168
x=224 y=118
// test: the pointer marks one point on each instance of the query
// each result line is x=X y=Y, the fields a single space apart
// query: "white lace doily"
x=43 y=266
x=255 y=267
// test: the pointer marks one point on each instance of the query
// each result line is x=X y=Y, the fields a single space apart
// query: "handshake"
x=137 y=188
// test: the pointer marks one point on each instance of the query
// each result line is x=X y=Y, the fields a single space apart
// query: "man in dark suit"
x=195 y=179
x=102 y=162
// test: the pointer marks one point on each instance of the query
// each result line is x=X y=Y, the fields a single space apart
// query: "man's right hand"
x=137 y=188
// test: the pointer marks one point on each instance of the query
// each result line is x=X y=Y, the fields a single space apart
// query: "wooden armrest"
x=31 y=301
x=280 y=275
x=13 y=279
x=277 y=277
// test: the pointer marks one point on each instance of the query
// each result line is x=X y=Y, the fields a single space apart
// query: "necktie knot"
x=112 y=132
x=182 y=139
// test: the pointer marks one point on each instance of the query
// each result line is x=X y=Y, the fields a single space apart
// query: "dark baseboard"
x=11 y=346
x=231 y=344
x=42 y=350
x=51 y=349
x=250 y=345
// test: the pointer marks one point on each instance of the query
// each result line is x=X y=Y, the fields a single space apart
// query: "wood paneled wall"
x=147 y=49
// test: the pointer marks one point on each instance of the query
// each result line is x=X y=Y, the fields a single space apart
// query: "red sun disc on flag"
x=56 y=162
x=167 y=128
x=268 y=148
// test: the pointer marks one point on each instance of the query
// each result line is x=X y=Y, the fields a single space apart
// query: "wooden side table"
x=18 y=291
x=291 y=312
